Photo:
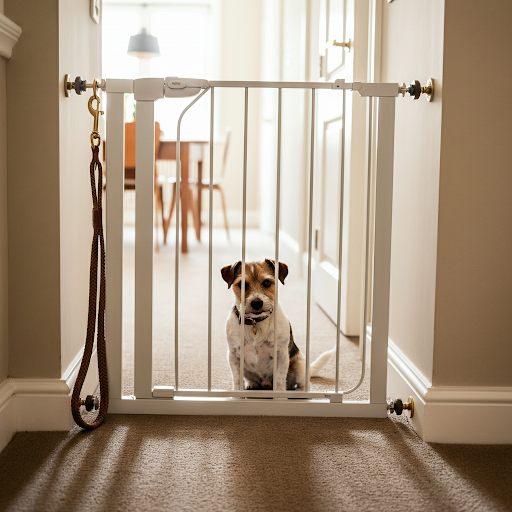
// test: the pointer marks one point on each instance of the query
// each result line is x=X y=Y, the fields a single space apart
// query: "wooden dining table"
x=189 y=151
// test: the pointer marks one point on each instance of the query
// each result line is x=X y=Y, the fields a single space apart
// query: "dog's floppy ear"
x=283 y=269
x=229 y=272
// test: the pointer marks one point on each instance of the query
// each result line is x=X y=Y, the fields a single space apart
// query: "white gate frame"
x=169 y=400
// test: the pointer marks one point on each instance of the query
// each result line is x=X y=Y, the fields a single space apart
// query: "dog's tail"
x=320 y=362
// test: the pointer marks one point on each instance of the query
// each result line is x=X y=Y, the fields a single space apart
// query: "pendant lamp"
x=143 y=45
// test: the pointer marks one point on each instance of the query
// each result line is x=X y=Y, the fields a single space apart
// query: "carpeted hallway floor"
x=206 y=463
x=219 y=463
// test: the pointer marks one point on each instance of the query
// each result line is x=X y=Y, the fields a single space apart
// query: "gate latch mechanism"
x=397 y=406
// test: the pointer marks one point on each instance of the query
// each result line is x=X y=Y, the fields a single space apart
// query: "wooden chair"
x=171 y=180
x=129 y=169
x=204 y=183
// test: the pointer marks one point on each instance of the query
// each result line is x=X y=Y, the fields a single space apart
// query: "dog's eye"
x=267 y=283
x=239 y=284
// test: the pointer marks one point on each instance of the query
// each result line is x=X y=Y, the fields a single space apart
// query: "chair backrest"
x=129 y=146
x=225 y=152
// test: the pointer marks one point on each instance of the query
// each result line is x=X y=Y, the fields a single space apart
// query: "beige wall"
x=48 y=185
x=4 y=332
x=286 y=34
x=473 y=321
x=240 y=44
x=412 y=48
x=33 y=191
x=76 y=123
x=295 y=128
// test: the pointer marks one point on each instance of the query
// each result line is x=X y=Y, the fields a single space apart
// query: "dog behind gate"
x=259 y=331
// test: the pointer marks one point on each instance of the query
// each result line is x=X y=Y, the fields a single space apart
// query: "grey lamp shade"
x=143 y=46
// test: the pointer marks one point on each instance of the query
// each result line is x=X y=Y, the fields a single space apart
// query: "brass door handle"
x=343 y=45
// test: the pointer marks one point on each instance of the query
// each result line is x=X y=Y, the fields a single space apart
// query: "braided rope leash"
x=98 y=246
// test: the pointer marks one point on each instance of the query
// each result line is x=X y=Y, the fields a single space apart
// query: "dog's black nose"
x=256 y=304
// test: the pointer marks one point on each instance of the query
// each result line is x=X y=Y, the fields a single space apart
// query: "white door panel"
x=340 y=20
x=331 y=192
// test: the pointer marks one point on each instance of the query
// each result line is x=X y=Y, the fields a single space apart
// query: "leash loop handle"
x=96 y=315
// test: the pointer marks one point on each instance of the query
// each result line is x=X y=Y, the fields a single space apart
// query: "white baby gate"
x=173 y=400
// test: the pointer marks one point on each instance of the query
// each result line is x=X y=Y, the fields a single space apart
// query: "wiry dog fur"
x=259 y=331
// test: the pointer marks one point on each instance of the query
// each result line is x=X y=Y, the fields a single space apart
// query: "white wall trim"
x=42 y=404
x=451 y=414
x=9 y=35
x=7 y=413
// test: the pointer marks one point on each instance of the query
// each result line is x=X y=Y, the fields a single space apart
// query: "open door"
x=346 y=22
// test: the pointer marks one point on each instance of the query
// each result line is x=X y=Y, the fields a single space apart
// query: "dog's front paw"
x=252 y=385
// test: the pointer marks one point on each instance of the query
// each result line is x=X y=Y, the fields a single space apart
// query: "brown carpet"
x=203 y=463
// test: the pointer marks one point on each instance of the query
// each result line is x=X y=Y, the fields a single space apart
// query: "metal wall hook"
x=415 y=90
x=80 y=85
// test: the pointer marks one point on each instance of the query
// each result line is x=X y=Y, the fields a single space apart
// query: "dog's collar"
x=250 y=321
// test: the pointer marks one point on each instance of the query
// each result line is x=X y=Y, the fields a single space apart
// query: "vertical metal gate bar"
x=278 y=208
x=210 y=241
x=364 y=325
x=340 y=244
x=177 y=259
x=244 y=227
x=364 y=285
x=382 y=247
x=114 y=234
x=366 y=290
x=177 y=249
x=310 y=234
x=144 y=183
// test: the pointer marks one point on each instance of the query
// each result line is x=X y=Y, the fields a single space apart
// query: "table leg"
x=185 y=195
x=199 y=195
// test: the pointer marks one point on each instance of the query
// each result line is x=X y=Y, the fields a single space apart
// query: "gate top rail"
x=174 y=87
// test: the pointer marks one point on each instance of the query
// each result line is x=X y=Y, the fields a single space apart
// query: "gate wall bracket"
x=415 y=90
x=397 y=406
x=80 y=85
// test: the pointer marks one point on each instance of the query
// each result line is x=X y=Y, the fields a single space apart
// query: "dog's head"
x=259 y=284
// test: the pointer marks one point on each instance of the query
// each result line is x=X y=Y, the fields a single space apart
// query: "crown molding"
x=9 y=35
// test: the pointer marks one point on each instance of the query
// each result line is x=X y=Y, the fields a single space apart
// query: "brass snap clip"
x=96 y=113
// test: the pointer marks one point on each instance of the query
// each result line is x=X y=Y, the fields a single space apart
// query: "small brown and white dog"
x=259 y=331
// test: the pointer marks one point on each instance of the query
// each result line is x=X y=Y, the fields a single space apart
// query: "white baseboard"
x=7 y=413
x=42 y=404
x=458 y=414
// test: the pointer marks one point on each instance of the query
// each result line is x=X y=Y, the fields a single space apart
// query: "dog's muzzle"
x=251 y=318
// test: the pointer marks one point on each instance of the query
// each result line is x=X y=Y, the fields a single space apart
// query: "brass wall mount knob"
x=397 y=406
x=415 y=90
x=429 y=90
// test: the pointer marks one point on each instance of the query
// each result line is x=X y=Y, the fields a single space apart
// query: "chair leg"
x=224 y=209
x=195 y=215
x=161 y=189
x=167 y=222
x=157 y=245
